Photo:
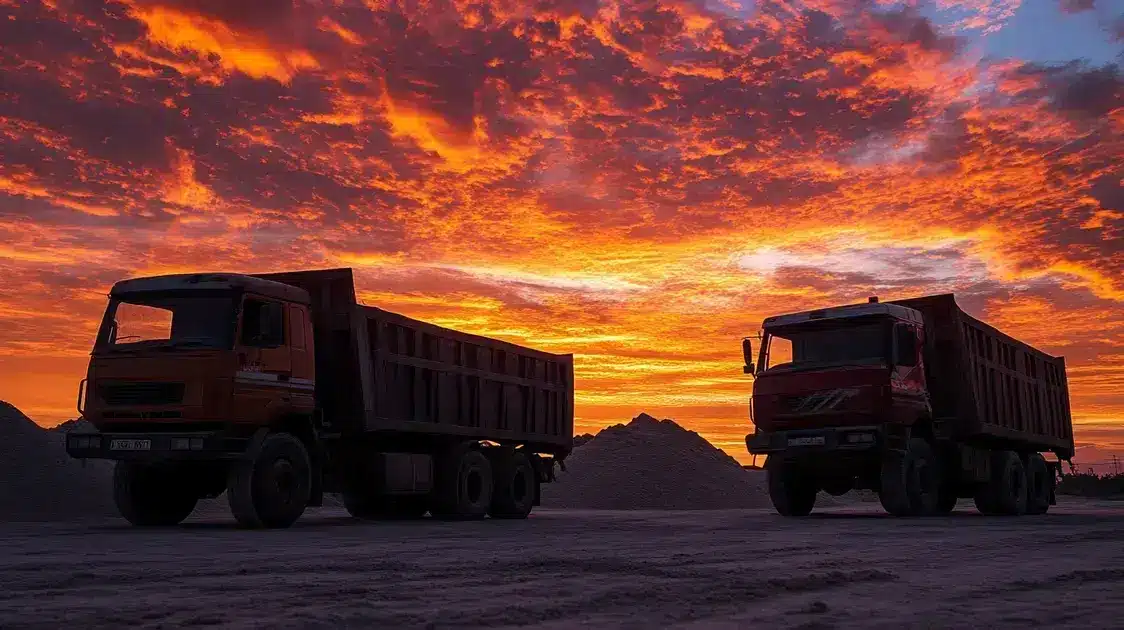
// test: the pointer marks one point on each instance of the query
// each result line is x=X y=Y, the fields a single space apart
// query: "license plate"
x=817 y=440
x=130 y=445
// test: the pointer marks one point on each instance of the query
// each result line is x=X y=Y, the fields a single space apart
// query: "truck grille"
x=145 y=393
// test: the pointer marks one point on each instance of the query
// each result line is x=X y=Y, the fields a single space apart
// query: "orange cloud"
x=236 y=52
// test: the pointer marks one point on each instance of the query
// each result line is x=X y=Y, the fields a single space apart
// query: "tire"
x=1039 y=482
x=1008 y=487
x=793 y=494
x=516 y=484
x=464 y=485
x=273 y=489
x=911 y=481
x=147 y=496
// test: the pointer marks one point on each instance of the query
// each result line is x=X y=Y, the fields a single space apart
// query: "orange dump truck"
x=278 y=388
x=914 y=399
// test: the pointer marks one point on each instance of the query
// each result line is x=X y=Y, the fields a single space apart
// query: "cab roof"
x=211 y=281
x=896 y=311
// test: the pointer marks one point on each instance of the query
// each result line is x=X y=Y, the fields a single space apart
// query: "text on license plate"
x=816 y=440
x=130 y=445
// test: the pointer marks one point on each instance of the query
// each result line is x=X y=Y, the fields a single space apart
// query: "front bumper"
x=155 y=446
x=849 y=439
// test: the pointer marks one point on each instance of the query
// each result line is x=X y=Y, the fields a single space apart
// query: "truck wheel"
x=1008 y=487
x=793 y=493
x=515 y=486
x=911 y=481
x=150 y=497
x=273 y=489
x=1039 y=481
x=464 y=485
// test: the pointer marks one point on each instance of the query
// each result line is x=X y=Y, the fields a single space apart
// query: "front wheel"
x=792 y=492
x=911 y=481
x=149 y=496
x=272 y=489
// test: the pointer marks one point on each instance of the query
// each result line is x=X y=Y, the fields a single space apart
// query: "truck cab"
x=837 y=378
x=200 y=352
x=914 y=399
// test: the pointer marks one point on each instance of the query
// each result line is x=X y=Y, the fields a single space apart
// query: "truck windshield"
x=804 y=348
x=168 y=321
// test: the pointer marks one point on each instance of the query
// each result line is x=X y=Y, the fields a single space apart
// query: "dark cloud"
x=910 y=26
x=1077 y=6
x=1075 y=88
x=1090 y=93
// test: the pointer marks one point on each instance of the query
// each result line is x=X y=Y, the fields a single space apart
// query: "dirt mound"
x=41 y=482
x=654 y=464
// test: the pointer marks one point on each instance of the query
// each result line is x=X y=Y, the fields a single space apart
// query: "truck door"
x=262 y=388
x=263 y=341
x=302 y=355
x=908 y=376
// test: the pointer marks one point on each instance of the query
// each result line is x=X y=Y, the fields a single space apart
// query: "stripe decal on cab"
x=273 y=380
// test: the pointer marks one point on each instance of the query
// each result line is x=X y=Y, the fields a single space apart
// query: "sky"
x=637 y=182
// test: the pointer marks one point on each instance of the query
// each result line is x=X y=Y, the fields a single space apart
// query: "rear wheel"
x=1040 y=482
x=516 y=484
x=273 y=489
x=148 y=496
x=464 y=485
x=792 y=492
x=1006 y=491
x=911 y=481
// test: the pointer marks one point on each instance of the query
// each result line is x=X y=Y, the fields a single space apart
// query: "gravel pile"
x=654 y=464
x=40 y=481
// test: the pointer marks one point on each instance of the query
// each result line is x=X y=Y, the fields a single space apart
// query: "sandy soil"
x=848 y=567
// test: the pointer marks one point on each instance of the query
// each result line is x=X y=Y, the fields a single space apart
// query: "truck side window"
x=906 y=346
x=263 y=324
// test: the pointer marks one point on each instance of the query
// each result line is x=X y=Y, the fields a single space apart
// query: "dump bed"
x=989 y=386
x=379 y=371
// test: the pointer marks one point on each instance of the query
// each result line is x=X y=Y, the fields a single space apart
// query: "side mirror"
x=749 y=368
x=747 y=355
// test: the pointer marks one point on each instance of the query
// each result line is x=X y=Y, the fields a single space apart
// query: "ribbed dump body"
x=989 y=386
x=379 y=371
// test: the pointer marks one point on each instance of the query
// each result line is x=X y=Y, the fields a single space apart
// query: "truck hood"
x=842 y=396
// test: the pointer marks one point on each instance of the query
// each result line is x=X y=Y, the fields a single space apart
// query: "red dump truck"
x=279 y=388
x=914 y=399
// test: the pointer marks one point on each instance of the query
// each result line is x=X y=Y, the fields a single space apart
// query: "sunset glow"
x=638 y=182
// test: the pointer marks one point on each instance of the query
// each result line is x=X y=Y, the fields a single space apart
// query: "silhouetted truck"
x=914 y=399
x=279 y=388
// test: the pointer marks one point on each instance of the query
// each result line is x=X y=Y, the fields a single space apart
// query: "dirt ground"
x=845 y=568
